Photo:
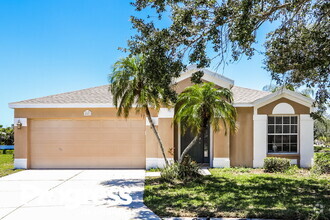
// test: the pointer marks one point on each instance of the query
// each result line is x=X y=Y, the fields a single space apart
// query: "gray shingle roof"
x=245 y=95
x=95 y=95
x=101 y=95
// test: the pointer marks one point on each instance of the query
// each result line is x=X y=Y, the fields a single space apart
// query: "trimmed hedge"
x=321 y=163
x=276 y=164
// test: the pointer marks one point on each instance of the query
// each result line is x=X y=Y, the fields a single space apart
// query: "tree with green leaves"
x=322 y=129
x=201 y=31
x=131 y=88
x=203 y=105
x=6 y=136
x=308 y=92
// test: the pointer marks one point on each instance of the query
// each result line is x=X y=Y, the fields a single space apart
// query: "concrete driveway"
x=74 y=194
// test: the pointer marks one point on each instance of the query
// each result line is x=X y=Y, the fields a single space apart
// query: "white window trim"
x=298 y=134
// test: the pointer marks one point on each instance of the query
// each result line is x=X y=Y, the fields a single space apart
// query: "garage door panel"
x=68 y=137
x=66 y=124
x=91 y=162
x=66 y=148
x=87 y=143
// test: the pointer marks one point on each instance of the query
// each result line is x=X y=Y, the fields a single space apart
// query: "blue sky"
x=55 y=46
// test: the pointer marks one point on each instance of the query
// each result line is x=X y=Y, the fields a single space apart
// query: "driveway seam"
x=39 y=195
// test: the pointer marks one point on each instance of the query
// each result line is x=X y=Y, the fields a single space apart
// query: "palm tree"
x=130 y=87
x=201 y=105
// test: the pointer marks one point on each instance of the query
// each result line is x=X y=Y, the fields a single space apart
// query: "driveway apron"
x=74 y=194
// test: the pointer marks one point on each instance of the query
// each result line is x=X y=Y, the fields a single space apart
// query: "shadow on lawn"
x=256 y=196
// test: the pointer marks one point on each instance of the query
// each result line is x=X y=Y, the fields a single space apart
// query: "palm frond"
x=203 y=104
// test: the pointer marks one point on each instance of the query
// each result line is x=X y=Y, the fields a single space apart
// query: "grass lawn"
x=245 y=193
x=7 y=164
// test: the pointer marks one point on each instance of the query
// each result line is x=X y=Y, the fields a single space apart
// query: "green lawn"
x=245 y=193
x=7 y=164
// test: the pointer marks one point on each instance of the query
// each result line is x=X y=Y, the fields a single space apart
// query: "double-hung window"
x=282 y=134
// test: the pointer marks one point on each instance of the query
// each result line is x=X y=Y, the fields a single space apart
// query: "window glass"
x=294 y=120
x=270 y=139
x=294 y=129
x=283 y=134
x=278 y=129
x=286 y=139
x=271 y=129
x=293 y=148
x=293 y=138
x=278 y=139
x=279 y=120
x=270 y=148
x=271 y=120
x=286 y=120
x=286 y=148
x=286 y=128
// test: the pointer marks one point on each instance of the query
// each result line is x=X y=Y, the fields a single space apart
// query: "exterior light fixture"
x=19 y=124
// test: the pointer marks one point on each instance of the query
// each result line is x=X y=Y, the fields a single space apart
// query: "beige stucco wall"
x=21 y=142
x=72 y=113
x=179 y=87
x=166 y=133
x=241 y=142
x=221 y=143
x=298 y=108
x=151 y=143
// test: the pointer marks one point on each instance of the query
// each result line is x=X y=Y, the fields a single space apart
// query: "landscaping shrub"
x=185 y=171
x=292 y=170
x=321 y=163
x=318 y=148
x=6 y=151
x=275 y=164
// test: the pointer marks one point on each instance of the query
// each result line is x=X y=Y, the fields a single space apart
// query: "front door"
x=200 y=152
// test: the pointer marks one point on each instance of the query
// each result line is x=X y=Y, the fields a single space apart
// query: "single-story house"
x=80 y=129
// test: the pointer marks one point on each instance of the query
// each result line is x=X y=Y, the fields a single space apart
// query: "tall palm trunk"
x=156 y=133
x=192 y=143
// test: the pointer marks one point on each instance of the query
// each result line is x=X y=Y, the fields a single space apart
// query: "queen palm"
x=130 y=88
x=201 y=105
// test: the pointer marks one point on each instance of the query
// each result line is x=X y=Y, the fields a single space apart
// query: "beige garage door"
x=87 y=143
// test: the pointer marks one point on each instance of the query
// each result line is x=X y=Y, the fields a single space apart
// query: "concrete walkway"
x=74 y=194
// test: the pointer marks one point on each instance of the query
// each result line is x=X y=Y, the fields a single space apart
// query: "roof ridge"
x=252 y=89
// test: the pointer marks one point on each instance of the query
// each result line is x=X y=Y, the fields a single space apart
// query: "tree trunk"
x=156 y=133
x=185 y=152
